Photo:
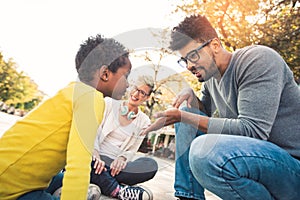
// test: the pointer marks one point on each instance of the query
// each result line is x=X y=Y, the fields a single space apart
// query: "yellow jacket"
x=59 y=133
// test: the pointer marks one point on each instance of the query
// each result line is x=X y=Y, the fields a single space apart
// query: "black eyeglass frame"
x=195 y=52
x=142 y=93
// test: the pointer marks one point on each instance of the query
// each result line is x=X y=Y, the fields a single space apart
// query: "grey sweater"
x=256 y=97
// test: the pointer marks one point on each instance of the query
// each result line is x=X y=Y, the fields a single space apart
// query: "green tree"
x=281 y=31
x=8 y=77
x=16 y=88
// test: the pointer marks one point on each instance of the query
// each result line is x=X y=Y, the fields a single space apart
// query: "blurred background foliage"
x=274 y=23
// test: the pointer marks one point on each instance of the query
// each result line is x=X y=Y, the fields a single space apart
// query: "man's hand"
x=185 y=94
x=165 y=118
x=117 y=165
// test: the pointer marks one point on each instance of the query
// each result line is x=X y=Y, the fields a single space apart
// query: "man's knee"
x=203 y=157
x=200 y=151
x=211 y=151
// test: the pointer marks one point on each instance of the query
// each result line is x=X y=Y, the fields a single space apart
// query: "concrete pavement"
x=162 y=184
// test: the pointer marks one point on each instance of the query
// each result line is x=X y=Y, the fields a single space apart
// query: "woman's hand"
x=117 y=165
x=99 y=164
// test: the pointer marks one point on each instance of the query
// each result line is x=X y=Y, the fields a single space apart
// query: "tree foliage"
x=275 y=23
x=281 y=31
x=16 y=88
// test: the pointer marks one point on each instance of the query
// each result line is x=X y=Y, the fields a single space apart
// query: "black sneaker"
x=135 y=193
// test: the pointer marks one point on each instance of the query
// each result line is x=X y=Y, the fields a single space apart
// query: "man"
x=252 y=149
x=60 y=133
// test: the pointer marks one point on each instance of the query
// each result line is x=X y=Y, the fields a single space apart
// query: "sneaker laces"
x=130 y=193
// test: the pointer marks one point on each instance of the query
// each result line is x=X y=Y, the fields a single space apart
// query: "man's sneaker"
x=94 y=192
x=135 y=193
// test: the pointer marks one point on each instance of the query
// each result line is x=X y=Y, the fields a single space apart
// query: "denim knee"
x=203 y=157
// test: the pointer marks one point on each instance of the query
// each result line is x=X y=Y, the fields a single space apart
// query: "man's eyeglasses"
x=141 y=93
x=192 y=56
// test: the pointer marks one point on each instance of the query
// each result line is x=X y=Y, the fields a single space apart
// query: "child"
x=61 y=131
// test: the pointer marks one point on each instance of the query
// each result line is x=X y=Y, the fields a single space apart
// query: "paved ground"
x=161 y=185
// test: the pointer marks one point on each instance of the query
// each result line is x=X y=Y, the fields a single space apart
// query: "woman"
x=119 y=137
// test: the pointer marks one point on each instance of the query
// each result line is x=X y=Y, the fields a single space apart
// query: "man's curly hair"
x=195 y=27
x=96 y=52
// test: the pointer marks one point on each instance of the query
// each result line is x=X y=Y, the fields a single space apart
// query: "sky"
x=43 y=36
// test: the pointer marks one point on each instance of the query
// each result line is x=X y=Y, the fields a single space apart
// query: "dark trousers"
x=137 y=171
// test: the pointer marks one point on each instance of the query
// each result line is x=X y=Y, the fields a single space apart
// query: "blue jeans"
x=185 y=184
x=238 y=167
x=46 y=194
